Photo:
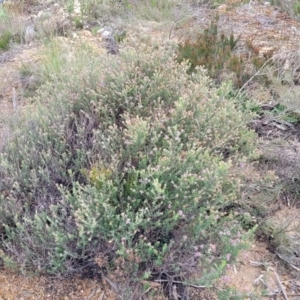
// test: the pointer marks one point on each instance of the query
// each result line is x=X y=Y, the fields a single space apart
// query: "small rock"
x=40 y=14
x=87 y=33
x=108 y=40
x=26 y=294
x=222 y=8
x=77 y=8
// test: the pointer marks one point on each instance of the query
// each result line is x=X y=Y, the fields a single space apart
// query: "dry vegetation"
x=144 y=157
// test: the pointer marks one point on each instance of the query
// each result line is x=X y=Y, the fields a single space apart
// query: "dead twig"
x=92 y=293
x=285 y=260
x=101 y=297
x=147 y=290
x=251 y=78
x=112 y=285
x=256 y=263
x=298 y=269
x=280 y=285
x=174 y=24
x=258 y=72
x=184 y=283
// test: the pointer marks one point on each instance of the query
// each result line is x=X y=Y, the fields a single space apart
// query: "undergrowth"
x=124 y=162
x=216 y=52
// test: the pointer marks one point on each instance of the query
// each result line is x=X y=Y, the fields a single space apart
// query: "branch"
x=281 y=287
x=251 y=78
x=184 y=283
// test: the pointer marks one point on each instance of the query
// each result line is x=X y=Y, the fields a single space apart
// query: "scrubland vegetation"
x=133 y=163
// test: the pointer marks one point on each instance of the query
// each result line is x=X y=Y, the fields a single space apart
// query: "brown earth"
x=14 y=286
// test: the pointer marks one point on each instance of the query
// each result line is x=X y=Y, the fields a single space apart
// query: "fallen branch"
x=279 y=282
x=285 y=260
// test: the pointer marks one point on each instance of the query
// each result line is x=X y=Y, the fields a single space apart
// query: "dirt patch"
x=259 y=274
x=13 y=287
x=265 y=26
x=10 y=83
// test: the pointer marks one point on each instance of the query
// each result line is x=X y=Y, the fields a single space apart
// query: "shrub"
x=209 y=49
x=124 y=158
x=5 y=39
x=216 y=52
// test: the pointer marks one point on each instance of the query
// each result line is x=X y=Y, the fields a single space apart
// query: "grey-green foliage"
x=123 y=155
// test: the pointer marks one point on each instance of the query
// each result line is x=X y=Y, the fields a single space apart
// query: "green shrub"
x=209 y=49
x=5 y=39
x=216 y=52
x=124 y=158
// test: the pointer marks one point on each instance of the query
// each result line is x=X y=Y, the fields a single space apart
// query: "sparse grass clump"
x=11 y=28
x=129 y=11
x=123 y=159
x=155 y=10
